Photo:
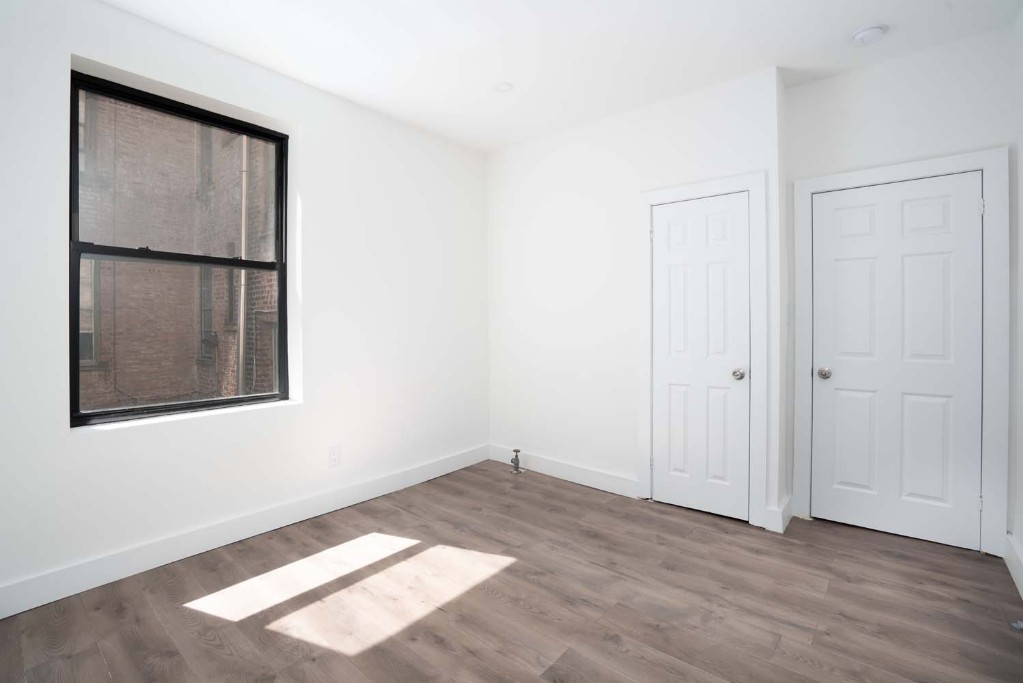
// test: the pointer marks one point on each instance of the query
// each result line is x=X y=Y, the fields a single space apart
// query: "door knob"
x=824 y=373
x=739 y=373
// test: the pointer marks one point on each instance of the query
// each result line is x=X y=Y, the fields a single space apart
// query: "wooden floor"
x=585 y=586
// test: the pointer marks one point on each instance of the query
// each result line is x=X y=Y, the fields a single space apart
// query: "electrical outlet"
x=333 y=458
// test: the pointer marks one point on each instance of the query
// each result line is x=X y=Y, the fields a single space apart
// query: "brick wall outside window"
x=147 y=349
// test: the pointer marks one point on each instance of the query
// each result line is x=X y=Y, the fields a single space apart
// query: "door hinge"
x=980 y=503
x=983 y=206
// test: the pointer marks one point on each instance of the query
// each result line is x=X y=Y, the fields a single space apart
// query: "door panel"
x=701 y=335
x=855 y=439
x=897 y=304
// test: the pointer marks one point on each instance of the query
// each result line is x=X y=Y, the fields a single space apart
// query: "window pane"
x=85 y=345
x=161 y=344
x=164 y=182
x=88 y=283
x=86 y=297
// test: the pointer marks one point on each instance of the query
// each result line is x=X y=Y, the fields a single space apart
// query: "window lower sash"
x=121 y=414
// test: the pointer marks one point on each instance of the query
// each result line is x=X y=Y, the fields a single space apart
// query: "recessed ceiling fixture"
x=870 y=35
x=504 y=86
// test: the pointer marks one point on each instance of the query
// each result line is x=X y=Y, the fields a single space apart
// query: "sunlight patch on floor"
x=254 y=595
x=366 y=613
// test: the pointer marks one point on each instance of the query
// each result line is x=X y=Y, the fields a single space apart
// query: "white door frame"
x=994 y=167
x=755 y=184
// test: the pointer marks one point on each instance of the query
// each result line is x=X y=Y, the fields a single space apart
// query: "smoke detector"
x=869 y=35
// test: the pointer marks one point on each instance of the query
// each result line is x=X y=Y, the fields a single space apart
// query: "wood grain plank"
x=617 y=651
x=955 y=653
x=324 y=667
x=59 y=629
x=214 y=648
x=85 y=666
x=461 y=655
x=248 y=559
x=518 y=638
x=572 y=667
x=821 y=665
x=722 y=659
x=894 y=658
x=945 y=619
x=12 y=664
x=131 y=637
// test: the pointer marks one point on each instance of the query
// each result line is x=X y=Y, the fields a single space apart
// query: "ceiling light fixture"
x=504 y=87
x=870 y=35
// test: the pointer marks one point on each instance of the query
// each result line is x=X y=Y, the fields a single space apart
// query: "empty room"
x=578 y=341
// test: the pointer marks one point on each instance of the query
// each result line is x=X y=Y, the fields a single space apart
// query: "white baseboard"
x=40 y=589
x=777 y=518
x=596 y=479
x=1014 y=560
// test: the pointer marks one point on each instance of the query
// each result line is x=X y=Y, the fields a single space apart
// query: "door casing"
x=755 y=184
x=994 y=167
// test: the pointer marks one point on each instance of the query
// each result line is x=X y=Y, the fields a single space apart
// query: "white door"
x=897 y=274
x=701 y=353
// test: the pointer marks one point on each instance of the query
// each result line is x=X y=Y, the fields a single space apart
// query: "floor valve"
x=515 y=462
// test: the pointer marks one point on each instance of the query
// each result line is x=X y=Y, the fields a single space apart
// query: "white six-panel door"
x=897 y=303
x=701 y=328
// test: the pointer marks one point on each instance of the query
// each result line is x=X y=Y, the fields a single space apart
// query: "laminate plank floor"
x=482 y=576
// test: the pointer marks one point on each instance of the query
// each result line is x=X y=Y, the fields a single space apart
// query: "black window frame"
x=82 y=82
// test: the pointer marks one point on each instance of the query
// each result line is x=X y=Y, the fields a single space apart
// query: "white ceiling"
x=434 y=63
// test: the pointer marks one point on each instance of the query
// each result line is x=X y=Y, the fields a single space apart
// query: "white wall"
x=567 y=252
x=782 y=311
x=388 y=335
x=959 y=97
x=1016 y=461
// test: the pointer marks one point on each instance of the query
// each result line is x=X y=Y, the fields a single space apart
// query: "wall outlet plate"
x=333 y=457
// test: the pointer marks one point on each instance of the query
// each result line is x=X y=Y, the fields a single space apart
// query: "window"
x=88 y=313
x=177 y=248
x=231 y=314
x=207 y=335
x=82 y=136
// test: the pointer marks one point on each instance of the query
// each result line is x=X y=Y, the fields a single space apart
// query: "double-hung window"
x=177 y=298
